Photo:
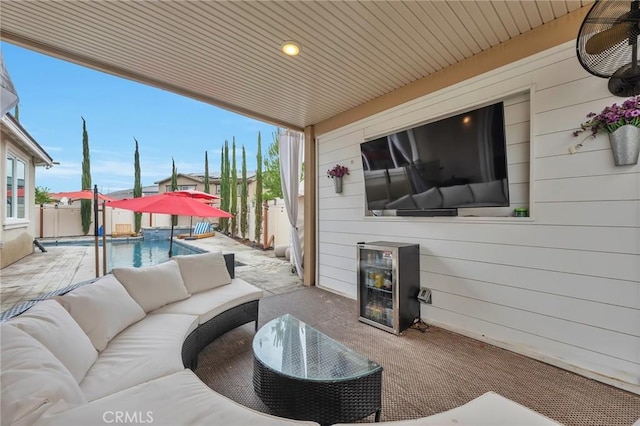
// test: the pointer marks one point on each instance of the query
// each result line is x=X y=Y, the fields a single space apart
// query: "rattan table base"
x=325 y=402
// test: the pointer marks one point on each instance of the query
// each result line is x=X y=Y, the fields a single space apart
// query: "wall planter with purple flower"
x=622 y=123
x=337 y=173
x=625 y=144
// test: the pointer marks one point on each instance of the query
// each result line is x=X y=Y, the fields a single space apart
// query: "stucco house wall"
x=563 y=285
x=17 y=234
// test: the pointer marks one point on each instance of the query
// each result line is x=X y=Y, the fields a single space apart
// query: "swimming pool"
x=136 y=252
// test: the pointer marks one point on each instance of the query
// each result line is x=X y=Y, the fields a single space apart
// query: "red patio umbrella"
x=85 y=194
x=203 y=197
x=169 y=203
x=192 y=193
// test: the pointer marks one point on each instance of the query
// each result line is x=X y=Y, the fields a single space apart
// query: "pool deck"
x=63 y=265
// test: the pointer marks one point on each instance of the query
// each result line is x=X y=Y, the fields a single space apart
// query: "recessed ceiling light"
x=290 y=48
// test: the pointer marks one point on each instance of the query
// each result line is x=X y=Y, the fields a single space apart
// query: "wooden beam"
x=310 y=172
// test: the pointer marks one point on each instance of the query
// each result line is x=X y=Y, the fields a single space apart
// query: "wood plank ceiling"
x=227 y=53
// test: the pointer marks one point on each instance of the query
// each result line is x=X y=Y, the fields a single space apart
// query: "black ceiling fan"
x=607 y=44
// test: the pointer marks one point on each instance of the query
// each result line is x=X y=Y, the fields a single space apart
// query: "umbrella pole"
x=171 y=241
x=190 y=224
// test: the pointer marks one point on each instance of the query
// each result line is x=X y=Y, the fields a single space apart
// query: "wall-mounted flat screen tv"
x=456 y=162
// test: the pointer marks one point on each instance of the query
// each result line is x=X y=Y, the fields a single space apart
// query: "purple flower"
x=612 y=117
x=337 y=171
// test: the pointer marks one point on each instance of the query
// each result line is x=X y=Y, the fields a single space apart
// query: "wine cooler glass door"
x=376 y=286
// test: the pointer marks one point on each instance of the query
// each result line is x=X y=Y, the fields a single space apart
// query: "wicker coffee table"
x=299 y=373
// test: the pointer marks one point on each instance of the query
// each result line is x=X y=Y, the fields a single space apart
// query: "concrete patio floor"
x=61 y=266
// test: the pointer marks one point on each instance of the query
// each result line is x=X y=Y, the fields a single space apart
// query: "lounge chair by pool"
x=200 y=230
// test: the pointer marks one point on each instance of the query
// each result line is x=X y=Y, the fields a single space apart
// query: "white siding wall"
x=562 y=286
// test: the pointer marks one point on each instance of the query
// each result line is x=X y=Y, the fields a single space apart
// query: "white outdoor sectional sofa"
x=119 y=351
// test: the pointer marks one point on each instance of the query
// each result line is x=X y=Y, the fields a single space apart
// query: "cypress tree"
x=206 y=173
x=258 y=191
x=223 y=202
x=244 y=213
x=227 y=187
x=174 y=187
x=224 y=190
x=16 y=113
x=85 y=205
x=137 y=187
x=234 y=190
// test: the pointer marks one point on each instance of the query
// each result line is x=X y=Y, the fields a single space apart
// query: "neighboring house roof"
x=199 y=177
x=193 y=177
x=128 y=193
x=216 y=177
x=23 y=139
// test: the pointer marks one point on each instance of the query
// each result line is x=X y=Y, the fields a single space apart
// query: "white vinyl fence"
x=64 y=221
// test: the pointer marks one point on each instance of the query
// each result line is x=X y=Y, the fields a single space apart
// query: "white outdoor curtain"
x=291 y=148
x=8 y=94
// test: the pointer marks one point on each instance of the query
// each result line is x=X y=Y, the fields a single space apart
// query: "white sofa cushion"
x=50 y=324
x=33 y=380
x=176 y=399
x=489 y=409
x=202 y=272
x=102 y=309
x=153 y=286
x=208 y=304
x=144 y=351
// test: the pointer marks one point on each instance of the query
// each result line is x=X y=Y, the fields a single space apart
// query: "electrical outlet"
x=424 y=295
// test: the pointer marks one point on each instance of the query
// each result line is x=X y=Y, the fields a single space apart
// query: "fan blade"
x=606 y=39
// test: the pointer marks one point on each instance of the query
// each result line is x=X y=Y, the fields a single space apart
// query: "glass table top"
x=293 y=348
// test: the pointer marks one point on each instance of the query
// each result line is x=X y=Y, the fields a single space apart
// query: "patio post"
x=104 y=237
x=41 y=220
x=95 y=228
x=265 y=227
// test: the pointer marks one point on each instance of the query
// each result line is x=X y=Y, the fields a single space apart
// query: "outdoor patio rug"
x=424 y=372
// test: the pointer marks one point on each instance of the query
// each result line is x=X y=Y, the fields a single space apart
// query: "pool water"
x=135 y=253
x=143 y=253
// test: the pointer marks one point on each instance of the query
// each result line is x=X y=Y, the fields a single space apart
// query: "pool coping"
x=82 y=242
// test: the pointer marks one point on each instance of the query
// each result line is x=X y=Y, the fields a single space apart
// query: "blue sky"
x=55 y=94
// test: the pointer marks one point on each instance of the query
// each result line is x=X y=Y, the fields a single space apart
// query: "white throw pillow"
x=204 y=271
x=153 y=286
x=102 y=309
x=33 y=380
x=50 y=324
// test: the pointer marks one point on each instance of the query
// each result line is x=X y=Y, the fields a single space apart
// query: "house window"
x=217 y=189
x=16 y=201
x=180 y=188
